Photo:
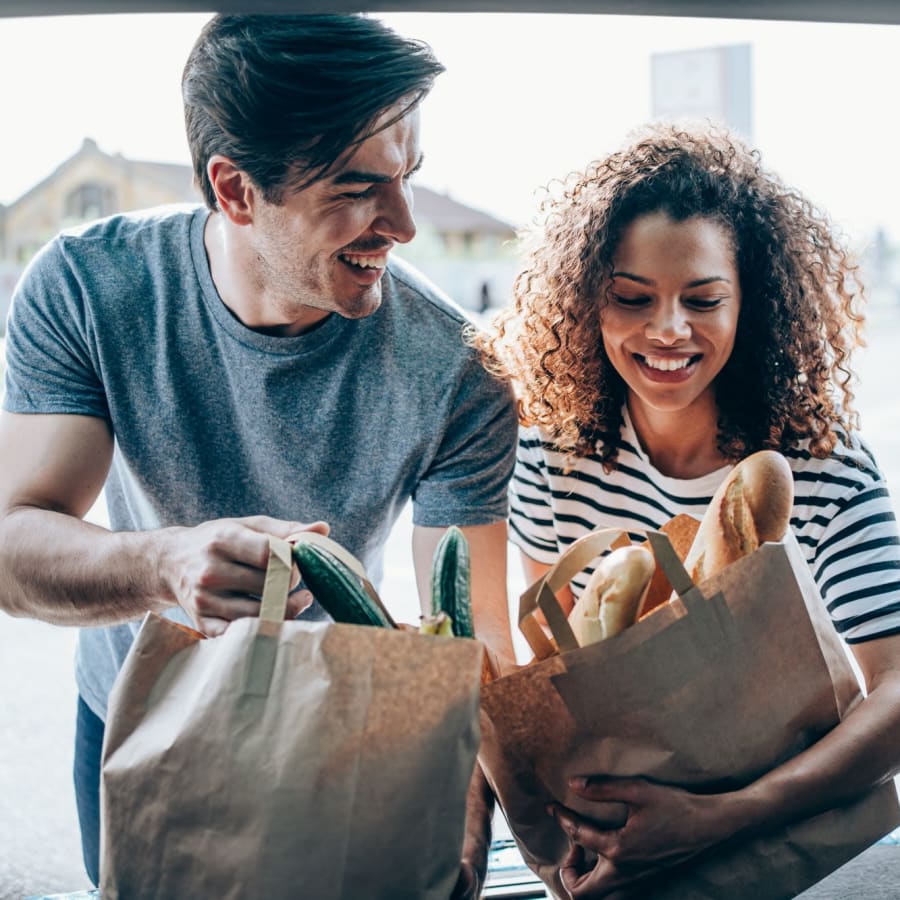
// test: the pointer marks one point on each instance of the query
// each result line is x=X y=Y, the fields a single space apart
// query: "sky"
x=526 y=98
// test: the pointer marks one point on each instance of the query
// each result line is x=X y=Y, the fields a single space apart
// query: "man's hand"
x=216 y=571
x=665 y=826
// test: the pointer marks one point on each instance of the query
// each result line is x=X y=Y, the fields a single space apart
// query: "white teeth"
x=366 y=262
x=667 y=364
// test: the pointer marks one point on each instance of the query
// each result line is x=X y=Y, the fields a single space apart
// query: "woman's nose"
x=668 y=324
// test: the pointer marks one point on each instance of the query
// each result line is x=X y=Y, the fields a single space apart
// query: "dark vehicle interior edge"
x=860 y=11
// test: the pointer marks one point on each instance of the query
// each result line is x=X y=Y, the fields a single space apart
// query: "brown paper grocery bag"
x=287 y=760
x=709 y=692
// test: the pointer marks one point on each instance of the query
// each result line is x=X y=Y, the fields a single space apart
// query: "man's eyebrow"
x=691 y=284
x=360 y=176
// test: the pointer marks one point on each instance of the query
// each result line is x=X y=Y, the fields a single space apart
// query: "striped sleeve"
x=844 y=521
x=531 y=524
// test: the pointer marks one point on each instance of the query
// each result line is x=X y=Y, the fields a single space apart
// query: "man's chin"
x=360 y=306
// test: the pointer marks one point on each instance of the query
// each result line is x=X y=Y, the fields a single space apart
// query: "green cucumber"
x=336 y=588
x=451 y=582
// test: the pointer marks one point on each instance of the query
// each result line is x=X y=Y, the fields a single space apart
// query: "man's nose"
x=395 y=217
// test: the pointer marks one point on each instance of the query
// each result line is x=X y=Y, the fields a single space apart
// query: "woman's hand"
x=665 y=826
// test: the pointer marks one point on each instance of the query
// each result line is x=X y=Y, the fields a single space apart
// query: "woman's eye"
x=631 y=302
x=702 y=303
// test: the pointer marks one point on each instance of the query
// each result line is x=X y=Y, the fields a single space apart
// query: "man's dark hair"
x=285 y=97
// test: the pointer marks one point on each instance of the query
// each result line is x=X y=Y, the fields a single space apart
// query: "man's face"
x=324 y=249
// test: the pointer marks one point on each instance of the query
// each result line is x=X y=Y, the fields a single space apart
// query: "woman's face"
x=670 y=319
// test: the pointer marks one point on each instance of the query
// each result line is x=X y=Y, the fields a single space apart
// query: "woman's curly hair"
x=788 y=377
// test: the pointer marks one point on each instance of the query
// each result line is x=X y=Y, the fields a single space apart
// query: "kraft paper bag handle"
x=278 y=573
x=273 y=604
x=713 y=610
x=673 y=568
x=542 y=594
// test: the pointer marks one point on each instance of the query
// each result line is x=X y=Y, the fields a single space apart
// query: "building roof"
x=440 y=211
x=177 y=176
x=446 y=214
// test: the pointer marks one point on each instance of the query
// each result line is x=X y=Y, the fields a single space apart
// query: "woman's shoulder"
x=850 y=465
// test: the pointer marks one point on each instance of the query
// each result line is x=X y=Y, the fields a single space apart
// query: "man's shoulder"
x=129 y=229
x=412 y=286
x=106 y=263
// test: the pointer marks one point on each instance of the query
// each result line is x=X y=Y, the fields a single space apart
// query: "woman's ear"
x=234 y=190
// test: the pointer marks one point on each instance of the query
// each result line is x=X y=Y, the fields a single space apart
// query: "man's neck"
x=241 y=287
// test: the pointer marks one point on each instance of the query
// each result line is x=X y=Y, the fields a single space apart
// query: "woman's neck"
x=680 y=444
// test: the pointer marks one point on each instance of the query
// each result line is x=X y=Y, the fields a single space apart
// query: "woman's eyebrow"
x=701 y=281
x=638 y=278
x=691 y=284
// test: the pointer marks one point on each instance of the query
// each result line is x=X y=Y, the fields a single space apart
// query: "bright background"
x=526 y=98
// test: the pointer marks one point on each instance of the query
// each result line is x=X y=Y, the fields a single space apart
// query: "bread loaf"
x=613 y=594
x=751 y=506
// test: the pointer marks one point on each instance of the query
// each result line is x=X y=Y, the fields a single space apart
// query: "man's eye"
x=358 y=195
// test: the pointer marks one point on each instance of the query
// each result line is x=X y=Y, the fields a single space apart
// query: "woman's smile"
x=668 y=369
x=670 y=314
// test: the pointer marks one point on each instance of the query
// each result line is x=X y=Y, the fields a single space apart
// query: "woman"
x=681 y=308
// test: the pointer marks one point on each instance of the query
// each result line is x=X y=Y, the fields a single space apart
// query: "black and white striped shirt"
x=843 y=517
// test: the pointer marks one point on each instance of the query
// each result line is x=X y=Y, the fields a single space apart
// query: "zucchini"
x=336 y=588
x=451 y=582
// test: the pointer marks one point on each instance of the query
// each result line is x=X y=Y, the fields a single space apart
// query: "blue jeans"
x=88 y=744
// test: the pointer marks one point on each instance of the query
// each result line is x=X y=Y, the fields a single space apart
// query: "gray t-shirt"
x=345 y=423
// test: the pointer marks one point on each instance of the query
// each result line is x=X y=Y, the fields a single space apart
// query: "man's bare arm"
x=55 y=567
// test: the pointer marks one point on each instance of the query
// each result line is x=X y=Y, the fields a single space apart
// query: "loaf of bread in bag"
x=611 y=599
x=751 y=506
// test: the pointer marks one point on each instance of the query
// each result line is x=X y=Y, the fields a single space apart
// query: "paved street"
x=39 y=848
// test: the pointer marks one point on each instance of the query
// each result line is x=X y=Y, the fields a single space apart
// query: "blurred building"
x=708 y=83
x=464 y=250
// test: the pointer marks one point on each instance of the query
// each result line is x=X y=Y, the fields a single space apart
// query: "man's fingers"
x=227 y=608
x=297 y=603
x=211 y=627
x=215 y=613
x=281 y=527
x=224 y=578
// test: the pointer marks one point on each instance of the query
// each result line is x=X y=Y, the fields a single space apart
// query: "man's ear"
x=234 y=190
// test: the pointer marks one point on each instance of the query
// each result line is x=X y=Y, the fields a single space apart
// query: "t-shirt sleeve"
x=49 y=364
x=531 y=526
x=466 y=481
x=856 y=562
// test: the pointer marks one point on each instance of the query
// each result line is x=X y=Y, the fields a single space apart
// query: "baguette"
x=613 y=595
x=751 y=506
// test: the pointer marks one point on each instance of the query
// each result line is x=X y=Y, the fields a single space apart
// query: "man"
x=241 y=369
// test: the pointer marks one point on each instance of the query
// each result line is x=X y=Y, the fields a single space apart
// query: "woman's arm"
x=667 y=825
